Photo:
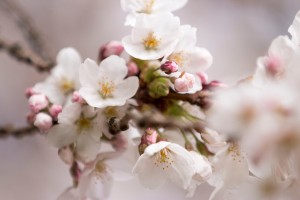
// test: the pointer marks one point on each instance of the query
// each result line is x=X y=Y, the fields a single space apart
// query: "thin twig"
x=18 y=132
x=25 y=56
x=26 y=26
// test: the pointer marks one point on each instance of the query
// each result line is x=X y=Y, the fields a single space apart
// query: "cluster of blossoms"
x=148 y=99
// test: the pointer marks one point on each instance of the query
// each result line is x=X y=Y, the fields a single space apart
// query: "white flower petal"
x=70 y=114
x=149 y=175
x=88 y=73
x=114 y=68
x=86 y=147
x=61 y=135
x=199 y=59
x=294 y=29
x=69 y=58
x=154 y=148
x=127 y=88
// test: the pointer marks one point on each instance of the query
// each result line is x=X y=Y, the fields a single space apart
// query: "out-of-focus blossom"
x=64 y=77
x=149 y=7
x=152 y=37
x=105 y=85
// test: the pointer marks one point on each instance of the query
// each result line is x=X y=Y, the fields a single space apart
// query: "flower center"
x=107 y=88
x=235 y=151
x=66 y=85
x=164 y=159
x=151 y=42
x=148 y=6
x=179 y=58
x=83 y=124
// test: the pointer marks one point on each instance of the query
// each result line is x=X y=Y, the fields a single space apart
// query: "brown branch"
x=18 y=132
x=25 y=56
x=30 y=32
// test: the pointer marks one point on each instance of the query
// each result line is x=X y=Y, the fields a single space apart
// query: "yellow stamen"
x=164 y=159
x=106 y=89
x=66 y=85
x=83 y=124
x=151 y=42
x=148 y=6
x=179 y=58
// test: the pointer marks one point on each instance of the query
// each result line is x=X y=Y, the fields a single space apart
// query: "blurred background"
x=236 y=32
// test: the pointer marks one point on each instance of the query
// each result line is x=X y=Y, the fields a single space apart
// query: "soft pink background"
x=236 y=32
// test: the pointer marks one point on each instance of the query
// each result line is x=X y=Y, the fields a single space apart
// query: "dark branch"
x=30 y=32
x=25 y=56
x=19 y=132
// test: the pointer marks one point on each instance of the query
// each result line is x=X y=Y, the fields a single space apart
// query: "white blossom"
x=105 y=85
x=187 y=55
x=64 y=77
x=149 y=7
x=152 y=37
x=162 y=161
x=78 y=125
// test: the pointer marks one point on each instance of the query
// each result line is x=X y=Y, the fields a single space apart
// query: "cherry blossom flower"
x=64 y=77
x=149 y=7
x=274 y=65
x=105 y=85
x=231 y=170
x=79 y=125
x=188 y=57
x=152 y=37
x=162 y=161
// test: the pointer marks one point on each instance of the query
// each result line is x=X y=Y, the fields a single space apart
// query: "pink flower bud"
x=149 y=137
x=43 y=121
x=203 y=77
x=76 y=98
x=30 y=117
x=132 y=69
x=110 y=48
x=29 y=92
x=215 y=85
x=273 y=65
x=38 y=102
x=169 y=67
x=66 y=155
x=54 y=110
x=184 y=83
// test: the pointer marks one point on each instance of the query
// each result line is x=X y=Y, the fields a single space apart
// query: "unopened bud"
x=54 y=110
x=76 y=98
x=132 y=69
x=110 y=48
x=159 y=87
x=169 y=67
x=150 y=136
x=203 y=77
x=29 y=92
x=38 y=102
x=43 y=121
x=273 y=65
x=184 y=83
x=66 y=155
